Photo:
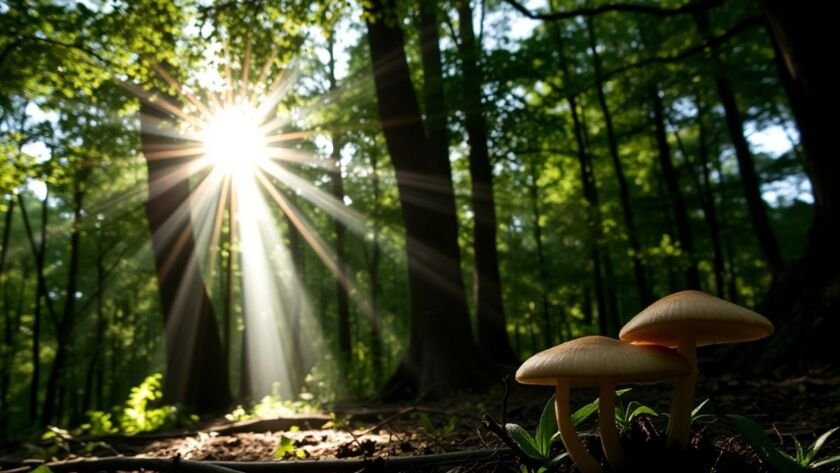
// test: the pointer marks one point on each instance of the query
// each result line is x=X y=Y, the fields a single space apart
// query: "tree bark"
x=746 y=167
x=807 y=298
x=590 y=194
x=195 y=367
x=642 y=288
x=533 y=192
x=64 y=327
x=345 y=347
x=373 y=272
x=439 y=322
x=669 y=174
x=490 y=312
x=39 y=251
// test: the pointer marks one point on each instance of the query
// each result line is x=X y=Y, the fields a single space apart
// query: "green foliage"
x=803 y=459
x=99 y=423
x=139 y=414
x=272 y=406
x=538 y=447
x=286 y=447
x=624 y=415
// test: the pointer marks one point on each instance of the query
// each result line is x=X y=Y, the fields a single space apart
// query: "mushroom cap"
x=704 y=317
x=590 y=361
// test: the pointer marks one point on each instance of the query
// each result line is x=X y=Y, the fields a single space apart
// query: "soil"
x=802 y=405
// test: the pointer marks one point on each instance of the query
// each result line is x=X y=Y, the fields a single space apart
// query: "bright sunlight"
x=233 y=140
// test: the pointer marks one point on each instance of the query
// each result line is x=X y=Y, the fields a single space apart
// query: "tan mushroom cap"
x=704 y=317
x=593 y=360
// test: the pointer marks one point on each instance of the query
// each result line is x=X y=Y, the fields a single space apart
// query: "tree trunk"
x=533 y=191
x=669 y=175
x=439 y=322
x=590 y=194
x=746 y=167
x=642 y=288
x=64 y=326
x=195 y=366
x=39 y=251
x=708 y=200
x=490 y=312
x=807 y=298
x=373 y=272
x=345 y=347
x=99 y=327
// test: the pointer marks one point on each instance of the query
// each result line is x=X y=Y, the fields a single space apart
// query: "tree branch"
x=688 y=8
x=401 y=463
x=739 y=28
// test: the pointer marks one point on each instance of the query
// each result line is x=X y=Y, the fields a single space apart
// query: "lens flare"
x=233 y=141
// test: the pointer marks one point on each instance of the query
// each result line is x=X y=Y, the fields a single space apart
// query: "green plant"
x=138 y=416
x=697 y=417
x=99 y=423
x=287 y=448
x=776 y=458
x=538 y=446
x=624 y=415
x=696 y=414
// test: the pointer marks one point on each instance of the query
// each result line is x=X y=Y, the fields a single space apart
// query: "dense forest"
x=338 y=200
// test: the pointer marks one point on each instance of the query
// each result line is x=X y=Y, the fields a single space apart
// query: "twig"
x=505 y=380
x=500 y=432
x=692 y=7
x=111 y=464
x=388 y=420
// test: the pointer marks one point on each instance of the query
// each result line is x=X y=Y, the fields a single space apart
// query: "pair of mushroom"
x=684 y=320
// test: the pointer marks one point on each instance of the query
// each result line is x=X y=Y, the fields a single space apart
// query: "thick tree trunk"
x=642 y=288
x=490 y=312
x=806 y=298
x=669 y=175
x=746 y=167
x=441 y=353
x=195 y=375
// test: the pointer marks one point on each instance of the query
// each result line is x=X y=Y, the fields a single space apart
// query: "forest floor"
x=362 y=435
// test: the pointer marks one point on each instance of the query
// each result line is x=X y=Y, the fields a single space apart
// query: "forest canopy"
x=322 y=200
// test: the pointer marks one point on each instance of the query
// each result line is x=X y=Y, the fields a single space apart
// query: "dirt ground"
x=803 y=405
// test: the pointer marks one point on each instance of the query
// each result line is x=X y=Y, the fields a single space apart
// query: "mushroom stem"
x=580 y=457
x=606 y=427
x=679 y=425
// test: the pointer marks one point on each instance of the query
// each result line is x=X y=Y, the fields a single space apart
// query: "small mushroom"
x=687 y=320
x=597 y=361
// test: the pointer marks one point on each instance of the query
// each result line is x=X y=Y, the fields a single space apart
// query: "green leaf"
x=642 y=409
x=552 y=464
x=801 y=458
x=42 y=469
x=699 y=408
x=584 y=413
x=546 y=428
x=754 y=435
x=524 y=441
x=820 y=441
x=827 y=462
x=285 y=447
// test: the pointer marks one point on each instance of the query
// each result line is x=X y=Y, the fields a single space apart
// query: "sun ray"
x=324 y=201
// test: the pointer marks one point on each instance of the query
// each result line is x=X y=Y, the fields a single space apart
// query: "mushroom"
x=597 y=361
x=687 y=320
